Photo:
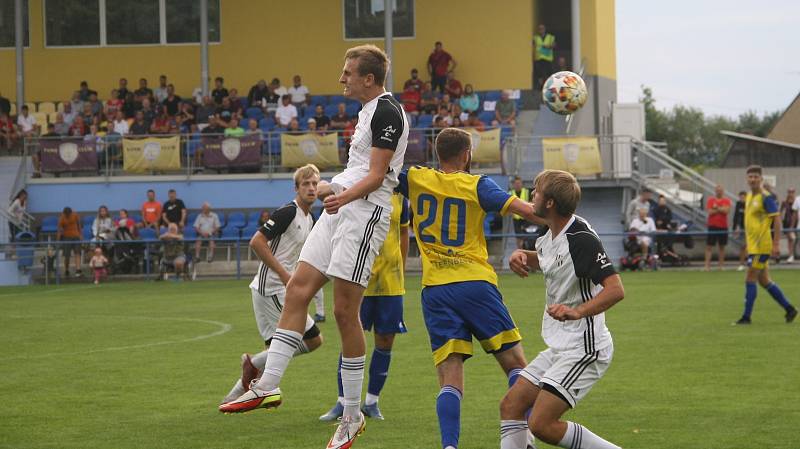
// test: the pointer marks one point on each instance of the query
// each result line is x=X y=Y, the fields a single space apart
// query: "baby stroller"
x=126 y=252
x=633 y=259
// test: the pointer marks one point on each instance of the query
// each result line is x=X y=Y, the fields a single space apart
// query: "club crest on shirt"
x=388 y=132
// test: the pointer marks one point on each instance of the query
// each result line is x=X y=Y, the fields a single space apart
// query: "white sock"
x=319 y=302
x=352 y=382
x=340 y=400
x=302 y=348
x=260 y=360
x=579 y=437
x=283 y=346
x=237 y=390
x=370 y=399
x=513 y=434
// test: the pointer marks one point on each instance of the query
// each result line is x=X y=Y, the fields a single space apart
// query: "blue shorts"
x=456 y=312
x=383 y=313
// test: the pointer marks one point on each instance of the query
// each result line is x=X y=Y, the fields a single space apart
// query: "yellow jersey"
x=759 y=211
x=448 y=213
x=387 y=270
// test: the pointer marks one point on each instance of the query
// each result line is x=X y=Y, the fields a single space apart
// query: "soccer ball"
x=564 y=92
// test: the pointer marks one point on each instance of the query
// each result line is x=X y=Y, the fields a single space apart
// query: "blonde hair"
x=371 y=59
x=561 y=187
x=305 y=172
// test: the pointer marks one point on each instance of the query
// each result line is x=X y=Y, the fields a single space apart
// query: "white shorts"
x=571 y=373
x=345 y=245
x=267 y=310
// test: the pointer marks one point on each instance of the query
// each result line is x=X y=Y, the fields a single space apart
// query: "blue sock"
x=512 y=376
x=378 y=370
x=777 y=295
x=448 y=408
x=339 y=377
x=750 y=292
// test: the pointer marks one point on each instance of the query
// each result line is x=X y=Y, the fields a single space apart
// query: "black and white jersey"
x=574 y=264
x=286 y=230
x=382 y=124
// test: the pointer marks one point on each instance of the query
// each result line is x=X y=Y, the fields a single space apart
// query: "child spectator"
x=469 y=101
x=124 y=221
x=99 y=264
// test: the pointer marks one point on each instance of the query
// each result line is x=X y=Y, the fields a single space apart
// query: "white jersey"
x=574 y=264
x=382 y=124
x=287 y=230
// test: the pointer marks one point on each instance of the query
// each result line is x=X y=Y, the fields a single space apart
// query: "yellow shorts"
x=758 y=261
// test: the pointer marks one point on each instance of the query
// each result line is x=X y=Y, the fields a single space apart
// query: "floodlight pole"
x=388 y=33
x=575 y=9
x=203 y=46
x=19 y=43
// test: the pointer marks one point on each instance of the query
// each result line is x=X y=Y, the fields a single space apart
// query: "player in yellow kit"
x=460 y=298
x=760 y=222
x=382 y=310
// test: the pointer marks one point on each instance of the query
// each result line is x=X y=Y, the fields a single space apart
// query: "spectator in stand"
x=411 y=98
x=185 y=118
x=121 y=126
x=520 y=223
x=69 y=230
x=96 y=106
x=285 y=112
x=469 y=101
x=76 y=102
x=505 y=111
x=543 y=43
x=340 y=119
x=738 y=227
x=172 y=102
x=131 y=105
x=645 y=226
x=102 y=226
x=446 y=103
x=252 y=128
x=717 y=207
x=258 y=97
x=5 y=105
x=143 y=91
x=98 y=263
x=440 y=63
x=161 y=93
x=60 y=128
x=207 y=226
x=85 y=92
x=69 y=114
x=663 y=214
x=429 y=99
x=640 y=202
x=453 y=88
x=151 y=211
x=277 y=89
x=139 y=127
x=27 y=123
x=263 y=218
x=414 y=81
x=294 y=126
x=234 y=130
x=174 y=253
x=8 y=132
x=204 y=111
x=17 y=210
x=78 y=128
x=443 y=115
x=561 y=64
x=124 y=221
x=457 y=113
x=215 y=126
x=322 y=120
x=219 y=91
x=236 y=102
x=113 y=104
x=122 y=91
x=789 y=221
x=86 y=114
x=161 y=124
x=299 y=93
x=174 y=211
x=474 y=122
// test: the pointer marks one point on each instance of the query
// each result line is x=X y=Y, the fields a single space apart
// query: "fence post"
x=238 y=259
x=147 y=259
x=56 y=267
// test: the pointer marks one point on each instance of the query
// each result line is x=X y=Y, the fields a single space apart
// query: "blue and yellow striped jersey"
x=759 y=211
x=448 y=212
x=387 y=270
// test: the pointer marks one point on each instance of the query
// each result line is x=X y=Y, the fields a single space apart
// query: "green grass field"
x=143 y=365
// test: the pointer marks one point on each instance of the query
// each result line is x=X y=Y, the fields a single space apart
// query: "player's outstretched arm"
x=378 y=167
x=523 y=262
x=260 y=246
x=525 y=210
x=612 y=293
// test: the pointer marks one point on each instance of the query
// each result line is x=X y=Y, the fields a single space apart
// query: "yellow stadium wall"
x=280 y=38
x=598 y=37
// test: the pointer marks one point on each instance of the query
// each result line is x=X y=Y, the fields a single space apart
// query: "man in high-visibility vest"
x=520 y=223
x=544 y=45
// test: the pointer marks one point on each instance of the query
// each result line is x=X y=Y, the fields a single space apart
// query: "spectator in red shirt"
x=717 y=208
x=414 y=81
x=411 y=98
x=474 y=122
x=453 y=88
x=439 y=64
x=8 y=133
x=78 y=128
x=151 y=211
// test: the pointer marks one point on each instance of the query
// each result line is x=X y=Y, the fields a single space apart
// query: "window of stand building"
x=7 y=24
x=72 y=22
x=183 y=21
x=132 y=22
x=364 y=19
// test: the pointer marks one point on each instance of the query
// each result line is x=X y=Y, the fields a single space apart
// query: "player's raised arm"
x=277 y=225
x=526 y=210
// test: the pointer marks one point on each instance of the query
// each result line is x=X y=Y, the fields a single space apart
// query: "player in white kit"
x=581 y=285
x=345 y=241
x=277 y=244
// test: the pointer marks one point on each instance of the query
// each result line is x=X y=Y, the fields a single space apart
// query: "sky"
x=723 y=56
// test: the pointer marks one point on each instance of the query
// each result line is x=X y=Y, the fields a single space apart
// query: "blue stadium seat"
x=50 y=224
x=492 y=95
x=274 y=142
x=243 y=102
x=319 y=99
x=191 y=218
x=87 y=233
x=351 y=109
x=505 y=132
x=137 y=218
x=266 y=124
x=236 y=219
x=87 y=220
x=486 y=117
x=336 y=99
x=331 y=110
x=252 y=218
x=310 y=112
x=148 y=234
x=189 y=232
x=424 y=121
x=231 y=233
x=255 y=113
